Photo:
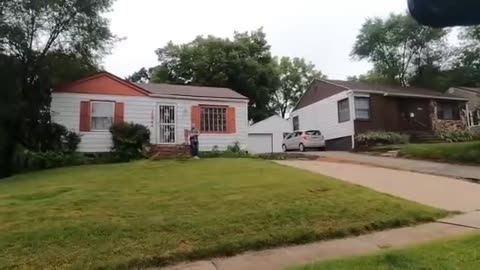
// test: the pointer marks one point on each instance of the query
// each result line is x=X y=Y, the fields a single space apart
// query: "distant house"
x=343 y=109
x=91 y=105
x=473 y=96
x=267 y=136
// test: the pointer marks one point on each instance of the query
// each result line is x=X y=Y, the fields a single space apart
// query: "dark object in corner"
x=443 y=13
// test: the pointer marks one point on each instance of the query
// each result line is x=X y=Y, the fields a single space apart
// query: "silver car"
x=301 y=140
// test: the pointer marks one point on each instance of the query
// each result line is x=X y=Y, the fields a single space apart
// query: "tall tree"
x=394 y=45
x=468 y=60
x=295 y=76
x=243 y=64
x=140 y=76
x=33 y=36
x=371 y=77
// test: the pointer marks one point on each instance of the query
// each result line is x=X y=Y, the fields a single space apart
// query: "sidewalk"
x=429 y=167
x=281 y=258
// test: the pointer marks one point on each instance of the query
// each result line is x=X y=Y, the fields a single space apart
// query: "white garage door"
x=260 y=143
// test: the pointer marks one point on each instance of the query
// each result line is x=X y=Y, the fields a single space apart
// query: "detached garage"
x=267 y=136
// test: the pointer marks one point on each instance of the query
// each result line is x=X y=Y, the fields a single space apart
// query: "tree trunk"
x=7 y=151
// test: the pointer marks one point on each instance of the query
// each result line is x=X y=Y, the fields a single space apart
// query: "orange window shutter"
x=231 y=120
x=85 y=116
x=119 y=112
x=196 y=117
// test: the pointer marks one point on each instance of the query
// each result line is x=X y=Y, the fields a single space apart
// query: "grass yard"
x=453 y=152
x=155 y=213
x=461 y=254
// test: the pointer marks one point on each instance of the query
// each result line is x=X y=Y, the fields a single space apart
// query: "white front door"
x=166 y=124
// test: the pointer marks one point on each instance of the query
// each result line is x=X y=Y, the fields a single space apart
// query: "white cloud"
x=321 y=31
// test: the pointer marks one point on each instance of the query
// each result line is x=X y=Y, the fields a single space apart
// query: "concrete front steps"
x=425 y=137
x=169 y=151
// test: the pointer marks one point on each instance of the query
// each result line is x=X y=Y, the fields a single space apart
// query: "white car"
x=301 y=140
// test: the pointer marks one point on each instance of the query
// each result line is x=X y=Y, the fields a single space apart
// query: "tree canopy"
x=243 y=64
x=396 y=46
x=45 y=43
x=295 y=75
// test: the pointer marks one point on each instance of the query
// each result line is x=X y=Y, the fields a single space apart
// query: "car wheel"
x=301 y=147
x=284 y=148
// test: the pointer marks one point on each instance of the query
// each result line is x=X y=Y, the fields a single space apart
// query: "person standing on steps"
x=194 y=133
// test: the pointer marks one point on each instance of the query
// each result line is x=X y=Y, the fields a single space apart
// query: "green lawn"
x=454 y=152
x=459 y=254
x=154 y=213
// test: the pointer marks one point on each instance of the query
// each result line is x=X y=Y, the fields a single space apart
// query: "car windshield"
x=313 y=132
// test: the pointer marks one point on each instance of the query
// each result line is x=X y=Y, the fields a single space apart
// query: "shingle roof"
x=471 y=89
x=190 y=91
x=394 y=90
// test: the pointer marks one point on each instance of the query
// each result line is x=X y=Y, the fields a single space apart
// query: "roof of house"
x=394 y=90
x=470 y=89
x=190 y=91
x=320 y=89
x=274 y=123
x=111 y=84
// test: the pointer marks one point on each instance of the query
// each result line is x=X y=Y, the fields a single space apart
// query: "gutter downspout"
x=468 y=115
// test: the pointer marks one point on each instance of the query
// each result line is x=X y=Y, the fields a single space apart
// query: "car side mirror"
x=443 y=13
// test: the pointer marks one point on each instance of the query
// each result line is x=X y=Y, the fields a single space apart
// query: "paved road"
x=436 y=168
x=437 y=191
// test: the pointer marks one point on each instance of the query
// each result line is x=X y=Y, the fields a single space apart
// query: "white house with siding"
x=90 y=106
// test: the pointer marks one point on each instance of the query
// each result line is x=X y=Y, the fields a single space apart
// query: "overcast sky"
x=322 y=31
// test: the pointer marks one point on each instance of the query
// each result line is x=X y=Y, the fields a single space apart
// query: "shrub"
x=233 y=151
x=381 y=138
x=57 y=138
x=476 y=134
x=129 y=141
x=25 y=160
x=235 y=148
x=457 y=136
x=71 y=140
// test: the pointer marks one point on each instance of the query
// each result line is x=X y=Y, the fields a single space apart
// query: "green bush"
x=71 y=140
x=375 y=138
x=56 y=138
x=233 y=151
x=235 y=148
x=456 y=136
x=129 y=141
x=476 y=134
x=25 y=160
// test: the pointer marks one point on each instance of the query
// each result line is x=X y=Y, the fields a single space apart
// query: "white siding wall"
x=144 y=110
x=274 y=125
x=323 y=115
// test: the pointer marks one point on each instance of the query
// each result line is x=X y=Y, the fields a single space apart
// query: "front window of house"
x=343 y=110
x=448 y=110
x=362 y=108
x=214 y=119
x=102 y=115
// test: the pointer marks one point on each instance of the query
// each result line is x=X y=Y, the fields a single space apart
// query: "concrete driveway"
x=437 y=191
x=421 y=166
